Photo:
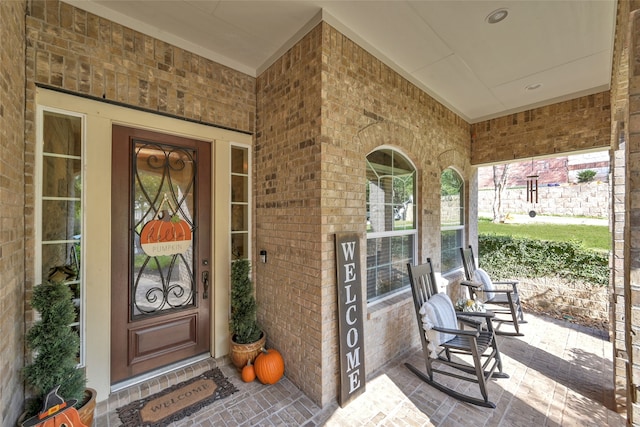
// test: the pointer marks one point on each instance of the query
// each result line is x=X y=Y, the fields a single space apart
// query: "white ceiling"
x=447 y=48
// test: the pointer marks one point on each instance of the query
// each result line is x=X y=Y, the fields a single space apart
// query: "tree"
x=244 y=327
x=55 y=346
x=500 y=175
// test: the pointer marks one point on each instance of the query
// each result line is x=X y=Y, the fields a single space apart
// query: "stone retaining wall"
x=557 y=297
x=586 y=199
x=567 y=298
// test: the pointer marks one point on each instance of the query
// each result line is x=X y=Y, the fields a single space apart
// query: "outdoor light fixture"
x=497 y=16
x=263 y=256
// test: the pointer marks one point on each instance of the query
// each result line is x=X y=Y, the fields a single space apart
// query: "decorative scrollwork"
x=163 y=174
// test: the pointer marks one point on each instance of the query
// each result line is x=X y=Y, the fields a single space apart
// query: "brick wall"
x=12 y=181
x=620 y=308
x=288 y=212
x=367 y=105
x=321 y=109
x=75 y=50
x=632 y=193
x=553 y=129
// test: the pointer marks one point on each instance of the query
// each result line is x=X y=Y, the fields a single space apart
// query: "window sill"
x=383 y=307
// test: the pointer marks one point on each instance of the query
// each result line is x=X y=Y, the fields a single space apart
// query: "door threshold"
x=156 y=373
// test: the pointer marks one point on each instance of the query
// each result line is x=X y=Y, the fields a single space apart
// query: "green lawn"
x=591 y=236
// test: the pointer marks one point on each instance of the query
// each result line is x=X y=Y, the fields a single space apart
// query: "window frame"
x=390 y=234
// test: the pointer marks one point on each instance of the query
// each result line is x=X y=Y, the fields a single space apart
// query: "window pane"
x=239 y=218
x=387 y=259
x=452 y=202
x=451 y=242
x=239 y=160
x=451 y=219
x=56 y=257
x=60 y=220
x=62 y=134
x=240 y=245
x=239 y=188
x=61 y=177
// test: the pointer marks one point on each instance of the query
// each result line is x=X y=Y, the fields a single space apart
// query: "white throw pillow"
x=438 y=311
x=481 y=276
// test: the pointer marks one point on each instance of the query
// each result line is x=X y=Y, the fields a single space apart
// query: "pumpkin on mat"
x=269 y=366
x=248 y=372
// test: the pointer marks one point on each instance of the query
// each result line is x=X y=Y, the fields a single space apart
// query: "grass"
x=589 y=236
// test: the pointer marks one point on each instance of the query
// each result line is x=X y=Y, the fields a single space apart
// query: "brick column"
x=632 y=225
x=12 y=195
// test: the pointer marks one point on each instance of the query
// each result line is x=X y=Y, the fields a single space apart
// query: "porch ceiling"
x=447 y=48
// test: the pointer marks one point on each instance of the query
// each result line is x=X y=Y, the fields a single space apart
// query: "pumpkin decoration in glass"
x=166 y=235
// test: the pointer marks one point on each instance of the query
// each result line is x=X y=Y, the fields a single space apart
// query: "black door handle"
x=205 y=283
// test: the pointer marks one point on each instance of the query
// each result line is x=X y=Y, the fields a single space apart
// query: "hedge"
x=505 y=257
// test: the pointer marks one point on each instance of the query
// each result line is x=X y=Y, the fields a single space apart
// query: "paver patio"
x=560 y=375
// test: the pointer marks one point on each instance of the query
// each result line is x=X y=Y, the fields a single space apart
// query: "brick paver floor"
x=560 y=375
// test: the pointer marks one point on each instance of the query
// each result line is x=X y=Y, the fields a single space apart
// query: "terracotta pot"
x=241 y=353
x=87 y=410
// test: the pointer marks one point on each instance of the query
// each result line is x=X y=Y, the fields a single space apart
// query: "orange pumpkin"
x=269 y=366
x=166 y=235
x=248 y=372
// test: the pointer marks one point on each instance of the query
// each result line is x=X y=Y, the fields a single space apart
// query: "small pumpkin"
x=248 y=372
x=269 y=366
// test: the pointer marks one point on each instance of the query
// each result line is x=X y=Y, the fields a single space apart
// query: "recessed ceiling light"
x=533 y=86
x=497 y=16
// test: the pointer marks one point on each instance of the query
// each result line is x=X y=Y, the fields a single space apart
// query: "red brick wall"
x=12 y=181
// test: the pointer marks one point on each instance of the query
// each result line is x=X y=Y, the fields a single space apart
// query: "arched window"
x=451 y=219
x=391 y=222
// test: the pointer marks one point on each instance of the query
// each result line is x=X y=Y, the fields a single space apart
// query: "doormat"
x=177 y=402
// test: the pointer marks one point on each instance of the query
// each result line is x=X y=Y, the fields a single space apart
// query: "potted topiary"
x=55 y=347
x=247 y=339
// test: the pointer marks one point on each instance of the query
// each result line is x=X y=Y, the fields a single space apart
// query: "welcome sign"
x=350 y=312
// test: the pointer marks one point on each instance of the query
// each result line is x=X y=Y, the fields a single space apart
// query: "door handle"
x=205 y=284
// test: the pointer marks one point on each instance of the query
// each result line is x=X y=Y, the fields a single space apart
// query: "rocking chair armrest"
x=471 y=284
x=506 y=282
x=513 y=284
x=484 y=314
x=457 y=331
x=501 y=291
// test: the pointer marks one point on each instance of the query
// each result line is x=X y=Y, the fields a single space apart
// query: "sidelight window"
x=59 y=207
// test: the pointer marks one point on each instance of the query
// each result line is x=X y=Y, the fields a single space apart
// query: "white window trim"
x=38 y=214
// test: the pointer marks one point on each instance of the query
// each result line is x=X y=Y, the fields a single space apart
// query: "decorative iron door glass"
x=163 y=218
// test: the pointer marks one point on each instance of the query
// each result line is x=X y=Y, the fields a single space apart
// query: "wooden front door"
x=160 y=250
